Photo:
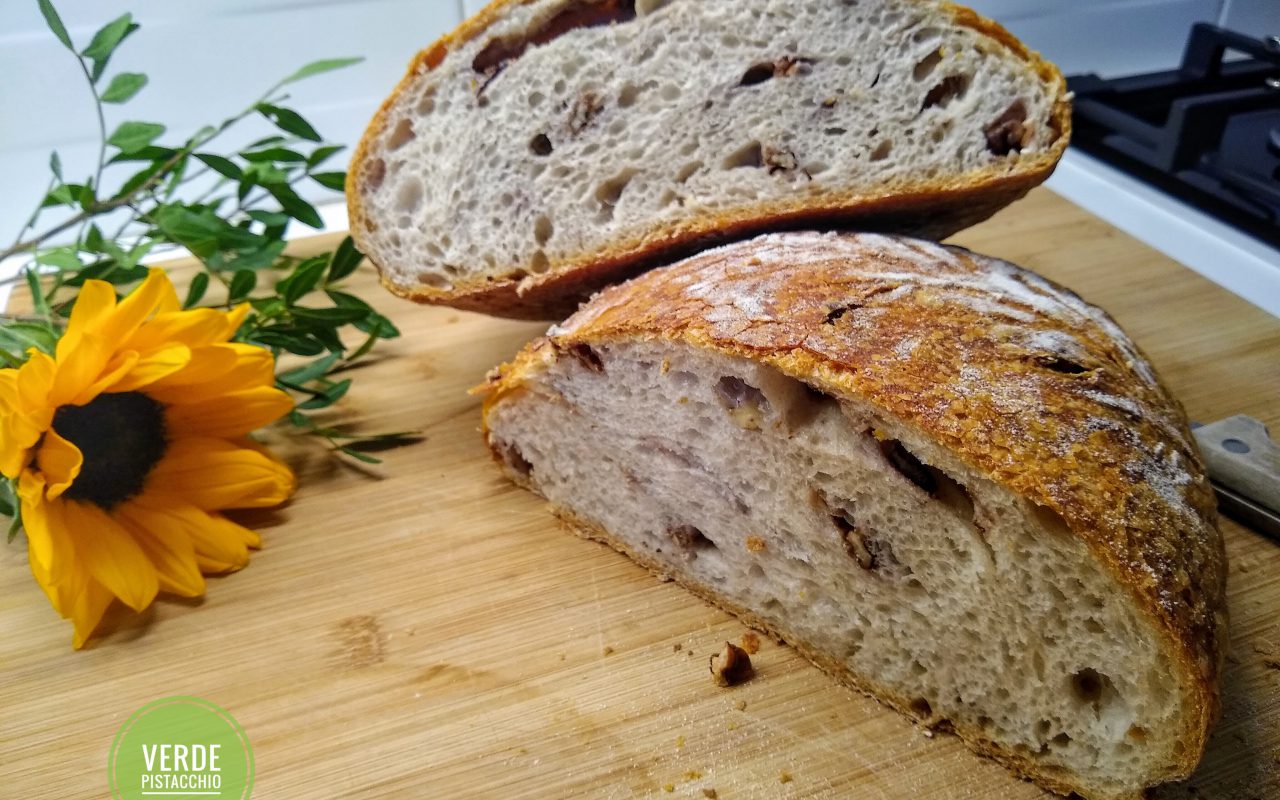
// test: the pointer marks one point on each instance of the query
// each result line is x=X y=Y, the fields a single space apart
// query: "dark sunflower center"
x=121 y=437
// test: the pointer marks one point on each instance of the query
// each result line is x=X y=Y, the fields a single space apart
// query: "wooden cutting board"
x=424 y=629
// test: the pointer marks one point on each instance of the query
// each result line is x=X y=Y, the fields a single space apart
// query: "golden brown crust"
x=932 y=209
x=1016 y=376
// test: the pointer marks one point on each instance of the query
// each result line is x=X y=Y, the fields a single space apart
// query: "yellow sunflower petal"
x=17 y=436
x=79 y=368
x=215 y=473
x=220 y=545
x=50 y=548
x=35 y=380
x=60 y=462
x=228 y=415
x=134 y=309
x=207 y=364
x=119 y=366
x=156 y=365
x=94 y=305
x=170 y=550
x=235 y=317
x=8 y=390
x=91 y=603
x=111 y=555
x=194 y=328
x=251 y=367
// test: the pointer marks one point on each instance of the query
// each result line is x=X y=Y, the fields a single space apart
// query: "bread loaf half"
x=944 y=479
x=547 y=148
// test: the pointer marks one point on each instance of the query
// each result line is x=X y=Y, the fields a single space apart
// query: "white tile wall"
x=206 y=60
x=209 y=58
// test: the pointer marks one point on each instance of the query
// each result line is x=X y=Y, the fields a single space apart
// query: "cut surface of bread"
x=549 y=147
x=945 y=480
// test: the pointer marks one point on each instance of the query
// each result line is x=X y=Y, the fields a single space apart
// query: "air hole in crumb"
x=750 y=155
x=1008 y=132
x=409 y=196
x=835 y=131
x=627 y=96
x=746 y=404
x=921 y=708
x=514 y=459
x=946 y=90
x=540 y=145
x=1042 y=728
x=690 y=541
x=951 y=493
x=610 y=192
x=985 y=722
x=687 y=171
x=539 y=264
x=926 y=66
x=871 y=552
x=401 y=135
x=907 y=465
x=1090 y=686
x=756 y=73
x=374 y=173
x=1137 y=733
x=433 y=280
x=542 y=229
x=426 y=103
x=882 y=150
x=1061 y=740
x=807 y=405
x=586 y=356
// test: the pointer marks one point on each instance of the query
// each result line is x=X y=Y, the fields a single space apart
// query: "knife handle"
x=1240 y=454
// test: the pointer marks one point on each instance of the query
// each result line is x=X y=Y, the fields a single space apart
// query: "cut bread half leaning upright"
x=944 y=479
x=547 y=148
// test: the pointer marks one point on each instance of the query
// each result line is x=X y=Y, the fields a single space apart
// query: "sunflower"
x=129 y=440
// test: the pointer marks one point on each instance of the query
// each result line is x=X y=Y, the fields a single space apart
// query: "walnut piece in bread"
x=974 y=498
x=547 y=148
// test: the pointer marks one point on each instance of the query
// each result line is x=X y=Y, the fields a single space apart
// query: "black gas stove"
x=1207 y=132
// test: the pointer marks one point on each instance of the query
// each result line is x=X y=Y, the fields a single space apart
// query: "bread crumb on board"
x=608 y=651
x=731 y=666
x=710 y=793
x=668 y=787
x=741 y=705
x=751 y=642
x=784 y=776
x=692 y=775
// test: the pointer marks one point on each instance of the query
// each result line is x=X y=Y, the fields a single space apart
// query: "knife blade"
x=1244 y=468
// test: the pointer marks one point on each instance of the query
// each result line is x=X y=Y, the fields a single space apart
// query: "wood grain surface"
x=424 y=629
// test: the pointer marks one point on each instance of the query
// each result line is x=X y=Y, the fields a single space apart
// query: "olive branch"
x=230 y=210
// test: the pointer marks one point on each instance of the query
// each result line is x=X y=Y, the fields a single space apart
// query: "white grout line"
x=1224 y=255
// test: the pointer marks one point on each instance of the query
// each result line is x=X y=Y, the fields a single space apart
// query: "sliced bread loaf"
x=944 y=479
x=547 y=148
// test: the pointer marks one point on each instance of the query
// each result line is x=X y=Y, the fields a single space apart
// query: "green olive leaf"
x=318 y=67
x=54 y=22
x=123 y=87
x=130 y=137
